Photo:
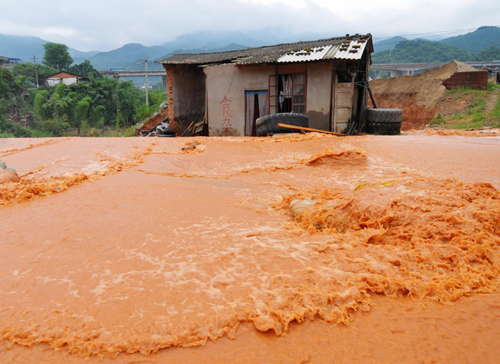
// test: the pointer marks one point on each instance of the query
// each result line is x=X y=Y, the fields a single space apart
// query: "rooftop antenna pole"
x=36 y=72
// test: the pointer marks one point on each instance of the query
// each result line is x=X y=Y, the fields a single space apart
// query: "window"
x=288 y=93
x=299 y=93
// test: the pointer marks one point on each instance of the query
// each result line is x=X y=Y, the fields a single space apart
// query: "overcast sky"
x=107 y=24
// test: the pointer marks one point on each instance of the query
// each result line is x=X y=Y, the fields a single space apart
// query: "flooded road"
x=290 y=249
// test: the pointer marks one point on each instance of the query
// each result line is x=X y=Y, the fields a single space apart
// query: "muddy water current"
x=304 y=248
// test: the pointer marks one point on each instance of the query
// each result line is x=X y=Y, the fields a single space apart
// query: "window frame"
x=273 y=91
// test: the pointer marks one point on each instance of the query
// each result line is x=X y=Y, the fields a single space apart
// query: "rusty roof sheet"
x=271 y=54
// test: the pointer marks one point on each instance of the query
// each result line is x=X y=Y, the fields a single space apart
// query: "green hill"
x=124 y=56
x=387 y=43
x=482 y=38
x=24 y=48
x=420 y=50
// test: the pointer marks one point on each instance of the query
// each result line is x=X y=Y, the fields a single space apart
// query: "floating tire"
x=383 y=121
x=267 y=124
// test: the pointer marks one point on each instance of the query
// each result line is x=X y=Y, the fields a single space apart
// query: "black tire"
x=267 y=124
x=383 y=128
x=383 y=121
x=384 y=115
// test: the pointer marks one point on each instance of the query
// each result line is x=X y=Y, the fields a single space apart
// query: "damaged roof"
x=345 y=48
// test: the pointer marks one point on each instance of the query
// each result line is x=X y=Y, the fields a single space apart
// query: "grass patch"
x=492 y=86
x=474 y=116
x=438 y=121
x=125 y=133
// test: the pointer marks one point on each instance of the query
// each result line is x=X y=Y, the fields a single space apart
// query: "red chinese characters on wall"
x=226 y=116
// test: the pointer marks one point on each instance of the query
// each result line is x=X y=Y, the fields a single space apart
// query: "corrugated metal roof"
x=305 y=55
x=349 y=50
x=272 y=54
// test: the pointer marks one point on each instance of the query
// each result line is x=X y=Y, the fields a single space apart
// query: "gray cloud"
x=104 y=25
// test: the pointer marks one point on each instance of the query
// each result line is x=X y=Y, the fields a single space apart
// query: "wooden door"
x=342 y=94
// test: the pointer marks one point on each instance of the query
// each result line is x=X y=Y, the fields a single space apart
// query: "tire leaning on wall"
x=383 y=121
x=267 y=124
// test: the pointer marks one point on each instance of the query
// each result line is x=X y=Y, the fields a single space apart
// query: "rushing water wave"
x=265 y=232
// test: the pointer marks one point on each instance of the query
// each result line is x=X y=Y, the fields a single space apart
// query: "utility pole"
x=147 y=95
x=36 y=72
x=147 y=98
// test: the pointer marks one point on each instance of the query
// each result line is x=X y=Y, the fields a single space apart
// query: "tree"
x=97 y=116
x=58 y=102
x=489 y=54
x=8 y=83
x=82 y=108
x=21 y=84
x=5 y=88
x=40 y=100
x=70 y=109
x=57 y=56
x=25 y=69
x=85 y=69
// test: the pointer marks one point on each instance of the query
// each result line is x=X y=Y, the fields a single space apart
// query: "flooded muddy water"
x=304 y=248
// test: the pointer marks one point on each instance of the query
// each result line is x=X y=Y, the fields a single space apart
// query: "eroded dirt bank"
x=300 y=249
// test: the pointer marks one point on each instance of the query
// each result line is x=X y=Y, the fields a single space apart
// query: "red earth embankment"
x=420 y=95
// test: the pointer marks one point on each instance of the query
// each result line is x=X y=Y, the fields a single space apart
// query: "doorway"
x=342 y=101
x=257 y=105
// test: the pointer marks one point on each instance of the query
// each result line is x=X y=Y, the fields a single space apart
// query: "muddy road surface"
x=295 y=249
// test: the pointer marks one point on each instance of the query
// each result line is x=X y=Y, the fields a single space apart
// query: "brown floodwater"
x=302 y=249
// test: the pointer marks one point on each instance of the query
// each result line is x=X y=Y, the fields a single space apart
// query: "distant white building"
x=67 y=78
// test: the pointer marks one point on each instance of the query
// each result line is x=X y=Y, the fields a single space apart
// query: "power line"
x=437 y=34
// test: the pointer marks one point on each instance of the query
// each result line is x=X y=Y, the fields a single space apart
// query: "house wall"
x=319 y=95
x=56 y=81
x=227 y=84
x=186 y=95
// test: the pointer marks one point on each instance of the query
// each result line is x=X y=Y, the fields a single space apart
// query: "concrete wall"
x=186 y=95
x=56 y=81
x=227 y=84
x=319 y=94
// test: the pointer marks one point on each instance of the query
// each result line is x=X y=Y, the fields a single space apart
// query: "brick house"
x=322 y=79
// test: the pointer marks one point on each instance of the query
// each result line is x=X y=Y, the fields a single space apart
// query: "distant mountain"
x=480 y=39
x=198 y=42
x=211 y=40
x=124 y=56
x=422 y=51
x=15 y=46
x=387 y=43
x=229 y=47
x=130 y=54
x=79 y=56
x=24 y=47
x=155 y=66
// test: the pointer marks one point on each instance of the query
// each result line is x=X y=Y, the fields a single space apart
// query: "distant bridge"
x=396 y=69
x=138 y=73
x=405 y=69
